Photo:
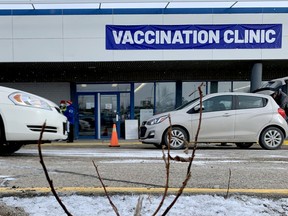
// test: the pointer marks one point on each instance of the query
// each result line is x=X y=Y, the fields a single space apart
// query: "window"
x=224 y=87
x=190 y=91
x=218 y=103
x=165 y=97
x=144 y=101
x=250 y=102
x=241 y=86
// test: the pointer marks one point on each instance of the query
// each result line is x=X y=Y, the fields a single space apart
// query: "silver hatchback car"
x=232 y=117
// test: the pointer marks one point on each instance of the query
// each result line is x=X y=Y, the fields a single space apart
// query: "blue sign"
x=163 y=37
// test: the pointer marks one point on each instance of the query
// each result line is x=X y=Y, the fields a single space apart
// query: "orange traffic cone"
x=114 y=138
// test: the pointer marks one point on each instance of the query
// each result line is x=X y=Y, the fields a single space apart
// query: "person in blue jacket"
x=69 y=111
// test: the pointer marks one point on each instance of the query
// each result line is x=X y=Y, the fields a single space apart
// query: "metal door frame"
x=97 y=114
x=117 y=94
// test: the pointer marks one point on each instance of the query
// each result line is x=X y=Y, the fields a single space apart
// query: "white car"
x=22 y=116
x=234 y=117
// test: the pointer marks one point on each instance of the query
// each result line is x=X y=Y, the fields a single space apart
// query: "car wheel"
x=271 y=138
x=9 y=148
x=178 y=137
x=244 y=145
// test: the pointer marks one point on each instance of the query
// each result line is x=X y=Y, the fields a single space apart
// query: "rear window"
x=250 y=102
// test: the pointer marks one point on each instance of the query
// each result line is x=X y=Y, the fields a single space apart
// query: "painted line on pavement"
x=125 y=190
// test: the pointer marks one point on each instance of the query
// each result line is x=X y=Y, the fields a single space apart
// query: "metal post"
x=214 y=87
x=256 y=76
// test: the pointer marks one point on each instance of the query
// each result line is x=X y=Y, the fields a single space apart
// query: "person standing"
x=68 y=110
x=281 y=99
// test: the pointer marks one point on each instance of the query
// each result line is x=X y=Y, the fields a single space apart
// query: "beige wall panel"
x=6 y=27
x=143 y=19
x=6 y=51
x=86 y=50
x=37 y=27
x=187 y=19
x=91 y=26
x=38 y=50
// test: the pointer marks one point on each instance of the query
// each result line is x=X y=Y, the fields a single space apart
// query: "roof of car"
x=237 y=93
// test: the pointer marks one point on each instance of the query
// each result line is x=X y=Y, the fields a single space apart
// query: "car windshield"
x=186 y=104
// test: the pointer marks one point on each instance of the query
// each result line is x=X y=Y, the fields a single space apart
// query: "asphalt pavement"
x=211 y=160
x=83 y=142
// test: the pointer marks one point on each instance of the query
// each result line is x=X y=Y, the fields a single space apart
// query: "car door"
x=218 y=119
x=252 y=113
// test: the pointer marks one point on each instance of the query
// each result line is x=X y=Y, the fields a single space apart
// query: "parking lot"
x=135 y=167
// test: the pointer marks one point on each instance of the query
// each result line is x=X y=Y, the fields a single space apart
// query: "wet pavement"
x=138 y=167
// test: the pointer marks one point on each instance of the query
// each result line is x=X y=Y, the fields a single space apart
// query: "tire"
x=9 y=148
x=178 y=138
x=244 y=145
x=271 y=138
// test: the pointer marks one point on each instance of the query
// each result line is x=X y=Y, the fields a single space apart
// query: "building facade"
x=118 y=65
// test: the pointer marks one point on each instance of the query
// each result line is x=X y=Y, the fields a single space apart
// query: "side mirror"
x=195 y=109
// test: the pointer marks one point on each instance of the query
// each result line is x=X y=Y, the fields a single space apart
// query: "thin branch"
x=106 y=193
x=198 y=129
x=188 y=174
x=47 y=175
x=228 y=188
x=180 y=191
x=167 y=166
x=139 y=206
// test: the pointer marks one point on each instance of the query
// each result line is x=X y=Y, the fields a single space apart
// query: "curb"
x=127 y=190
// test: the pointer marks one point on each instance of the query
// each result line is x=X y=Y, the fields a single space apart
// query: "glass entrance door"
x=109 y=114
x=97 y=113
x=86 y=115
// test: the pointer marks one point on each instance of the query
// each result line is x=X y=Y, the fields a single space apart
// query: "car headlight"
x=24 y=99
x=156 y=120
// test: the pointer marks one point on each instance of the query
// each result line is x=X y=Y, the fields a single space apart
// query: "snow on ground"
x=198 y=205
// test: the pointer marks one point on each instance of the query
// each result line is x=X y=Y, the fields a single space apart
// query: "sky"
x=196 y=205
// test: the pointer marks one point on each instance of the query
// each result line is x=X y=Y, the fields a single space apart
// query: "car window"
x=218 y=103
x=250 y=102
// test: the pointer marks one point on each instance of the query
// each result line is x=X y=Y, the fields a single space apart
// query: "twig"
x=167 y=166
x=139 y=206
x=188 y=174
x=198 y=129
x=106 y=193
x=46 y=172
x=180 y=191
x=228 y=188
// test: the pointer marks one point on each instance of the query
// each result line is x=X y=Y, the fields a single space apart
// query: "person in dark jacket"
x=281 y=99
